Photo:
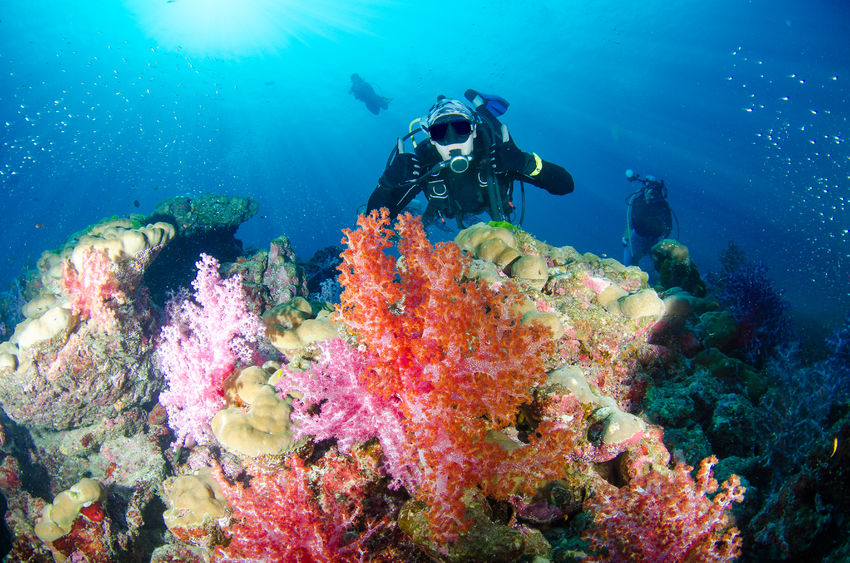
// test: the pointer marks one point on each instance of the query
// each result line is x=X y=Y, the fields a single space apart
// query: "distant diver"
x=364 y=92
x=649 y=217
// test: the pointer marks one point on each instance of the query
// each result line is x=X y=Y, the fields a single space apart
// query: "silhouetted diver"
x=364 y=92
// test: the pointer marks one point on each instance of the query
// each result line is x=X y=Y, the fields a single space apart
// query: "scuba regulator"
x=457 y=163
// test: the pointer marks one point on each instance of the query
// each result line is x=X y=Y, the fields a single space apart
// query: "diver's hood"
x=445 y=107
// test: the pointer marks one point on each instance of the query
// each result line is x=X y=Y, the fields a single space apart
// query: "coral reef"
x=205 y=224
x=321 y=273
x=496 y=398
x=675 y=268
x=87 y=328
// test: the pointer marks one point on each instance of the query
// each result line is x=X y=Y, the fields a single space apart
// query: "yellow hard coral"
x=192 y=500
x=264 y=428
x=57 y=518
x=531 y=270
x=120 y=239
x=471 y=238
x=297 y=323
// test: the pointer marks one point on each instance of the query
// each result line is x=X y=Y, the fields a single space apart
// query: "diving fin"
x=494 y=104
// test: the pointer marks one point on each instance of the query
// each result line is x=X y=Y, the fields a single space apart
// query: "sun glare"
x=244 y=28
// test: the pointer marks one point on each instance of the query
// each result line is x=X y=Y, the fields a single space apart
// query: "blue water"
x=740 y=106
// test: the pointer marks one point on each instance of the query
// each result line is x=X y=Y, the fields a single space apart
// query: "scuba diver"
x=466 y=166
x=649 y=217
x=364 y=92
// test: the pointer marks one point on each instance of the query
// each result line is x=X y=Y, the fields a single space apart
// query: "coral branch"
x=200 y=346
x=666 y=517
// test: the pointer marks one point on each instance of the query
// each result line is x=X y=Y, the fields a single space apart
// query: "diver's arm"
x=395 y=199
x=399 y=183
x=547 y=175
x=508 y=159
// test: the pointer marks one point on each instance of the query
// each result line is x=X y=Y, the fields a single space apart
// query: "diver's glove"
x=506 y=157
x=403 y=169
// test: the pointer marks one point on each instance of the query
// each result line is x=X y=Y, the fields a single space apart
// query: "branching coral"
x=94 y=290
x=838 y=363
x=453 y=352
x=334 y=403
x=660 y=517
x=758 y=308
x=200 y=346
x=283 y=516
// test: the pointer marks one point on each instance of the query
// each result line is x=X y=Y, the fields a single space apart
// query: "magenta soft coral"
x=662 y=517
x=334 y=403
x=200 y=346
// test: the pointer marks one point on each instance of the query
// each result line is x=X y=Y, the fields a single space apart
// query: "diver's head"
x=451 y=128
x=654 y=190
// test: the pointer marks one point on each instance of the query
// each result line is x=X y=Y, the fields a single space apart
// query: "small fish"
x=834 y=447
x=135 y=203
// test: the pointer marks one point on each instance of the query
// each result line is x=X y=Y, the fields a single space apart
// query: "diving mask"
x=449 y=132
x=453 y=137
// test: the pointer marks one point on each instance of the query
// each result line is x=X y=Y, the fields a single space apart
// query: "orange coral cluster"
x=666 y=517
x=453 y=351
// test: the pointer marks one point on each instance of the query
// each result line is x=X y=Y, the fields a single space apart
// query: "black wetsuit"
x=453 y=194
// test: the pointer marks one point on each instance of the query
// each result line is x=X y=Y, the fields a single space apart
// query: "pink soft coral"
x=200 y=346
x=93 y=291
x=666 y=517
x=334 y=403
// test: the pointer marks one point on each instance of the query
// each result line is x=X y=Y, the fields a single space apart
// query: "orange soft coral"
x=433 y=331
x=666 y=517
x=453 y=351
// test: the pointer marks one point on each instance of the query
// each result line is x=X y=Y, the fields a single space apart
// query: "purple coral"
x=200 y=346
x=758 y=307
